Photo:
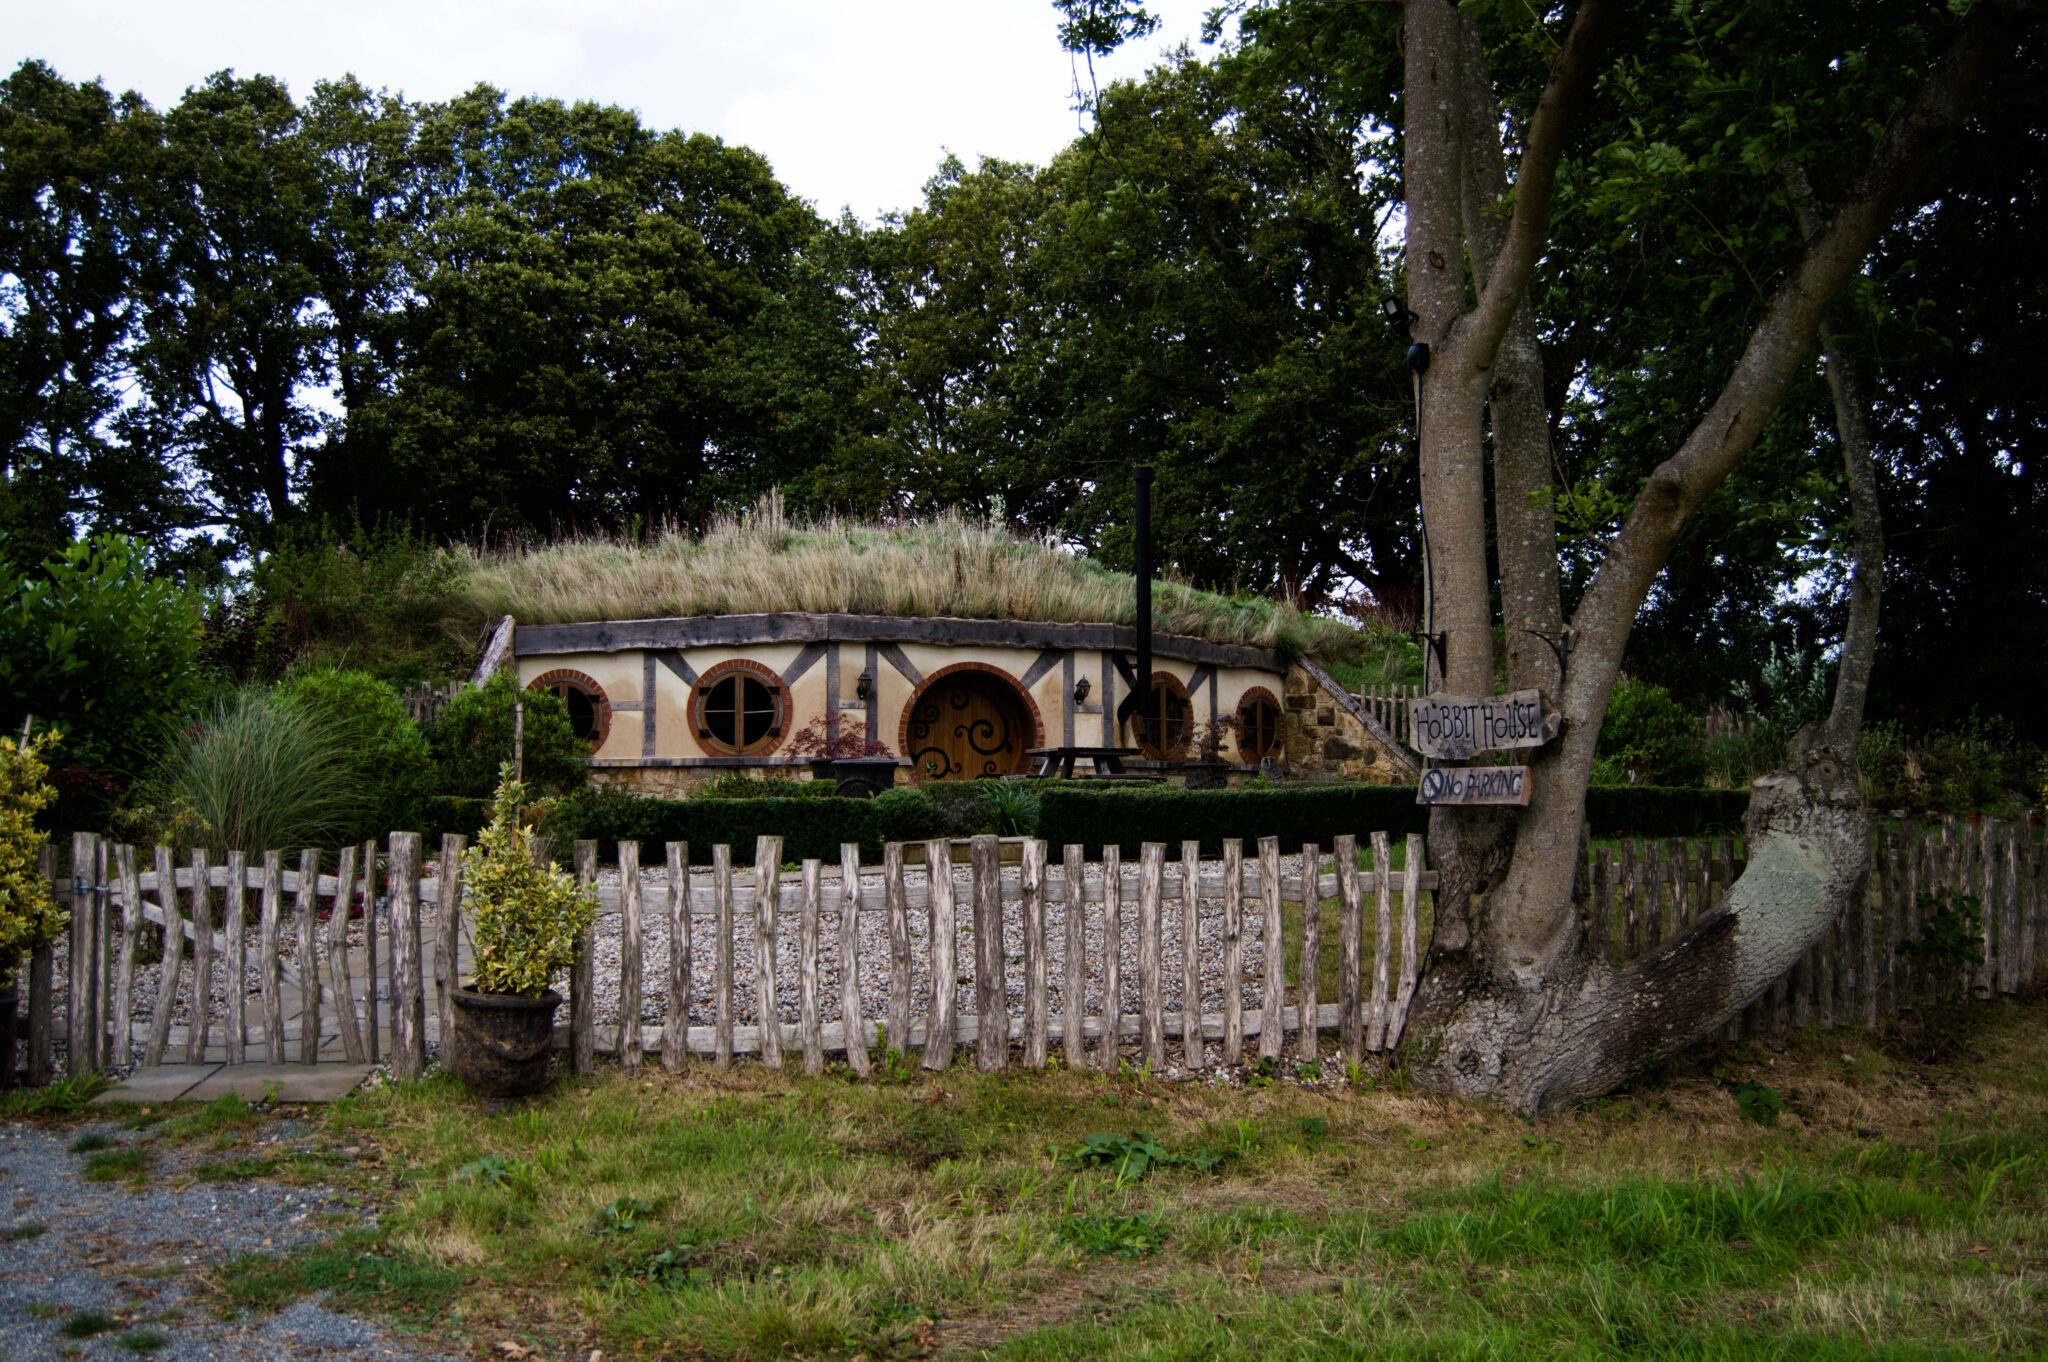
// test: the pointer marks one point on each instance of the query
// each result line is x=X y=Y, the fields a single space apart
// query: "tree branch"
x=1784 y=336
x=1571 y=80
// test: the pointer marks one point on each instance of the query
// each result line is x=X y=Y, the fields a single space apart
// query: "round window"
x=1174 y=717
x=740 y=709
x=590 y=712
x=1259 y=732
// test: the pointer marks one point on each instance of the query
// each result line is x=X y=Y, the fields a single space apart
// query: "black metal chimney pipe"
x=1148 y=716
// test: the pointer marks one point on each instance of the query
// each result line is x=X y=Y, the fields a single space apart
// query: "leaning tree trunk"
x=1513 y=1005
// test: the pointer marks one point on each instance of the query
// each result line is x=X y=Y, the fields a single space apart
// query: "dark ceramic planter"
x=502 y=1041
x=9 y=1000
x=856 y=777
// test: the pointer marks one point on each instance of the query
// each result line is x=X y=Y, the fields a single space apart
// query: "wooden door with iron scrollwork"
x=968 y=726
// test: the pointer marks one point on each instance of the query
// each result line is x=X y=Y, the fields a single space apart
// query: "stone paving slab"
x=293 y=1082
x=167 y=1083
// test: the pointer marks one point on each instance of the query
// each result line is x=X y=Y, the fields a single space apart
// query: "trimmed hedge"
x=809 y=828
x=1320 y=814
x=1665 y=811
x=1127 y=817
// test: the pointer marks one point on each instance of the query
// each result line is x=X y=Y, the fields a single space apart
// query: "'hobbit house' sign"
x=1455 y=727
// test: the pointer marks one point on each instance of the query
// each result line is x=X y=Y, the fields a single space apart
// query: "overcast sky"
x=853 y=101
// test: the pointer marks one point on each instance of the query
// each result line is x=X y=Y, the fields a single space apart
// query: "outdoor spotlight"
x=863 y=686
x=1398 y=316
x=1081 y=691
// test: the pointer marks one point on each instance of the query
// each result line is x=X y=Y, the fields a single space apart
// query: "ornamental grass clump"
x=29 y=915
x=525 y=917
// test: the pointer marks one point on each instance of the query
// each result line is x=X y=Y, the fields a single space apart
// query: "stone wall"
x=1331 y=735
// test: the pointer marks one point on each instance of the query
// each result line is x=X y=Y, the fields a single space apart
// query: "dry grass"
x=947 y=567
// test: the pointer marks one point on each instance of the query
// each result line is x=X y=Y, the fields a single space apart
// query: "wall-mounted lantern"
x=864 y=687
x=1081 y=691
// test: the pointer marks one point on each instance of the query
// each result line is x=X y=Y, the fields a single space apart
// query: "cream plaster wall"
x=622 y=676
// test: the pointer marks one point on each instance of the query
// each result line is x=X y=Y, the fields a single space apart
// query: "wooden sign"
x=1455 y=727
x=1474 y=785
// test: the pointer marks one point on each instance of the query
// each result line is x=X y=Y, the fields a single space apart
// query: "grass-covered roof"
x=951 y=566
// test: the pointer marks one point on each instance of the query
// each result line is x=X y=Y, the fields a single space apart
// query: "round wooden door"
x=968 y=726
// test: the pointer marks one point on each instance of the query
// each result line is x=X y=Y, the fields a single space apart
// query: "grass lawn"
x=1894 y=1210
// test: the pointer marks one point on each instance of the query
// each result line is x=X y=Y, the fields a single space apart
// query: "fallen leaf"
x=511 y=1349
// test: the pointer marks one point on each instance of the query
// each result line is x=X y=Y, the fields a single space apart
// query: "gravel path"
x=136 y=1256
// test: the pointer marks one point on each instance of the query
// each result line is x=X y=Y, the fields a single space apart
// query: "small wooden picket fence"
x=1642 y=896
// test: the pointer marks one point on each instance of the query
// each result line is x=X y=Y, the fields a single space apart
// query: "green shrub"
x=523 y=919
x=473 y=737
x=742 y=785
x=958 y=807
x=260 y=773
x=369 y=598
x=1648 y=738
x=608 y=815
x=29 y=916
x=92 y=645
x=1009 y=808
x=904 y=814
x=393 y=764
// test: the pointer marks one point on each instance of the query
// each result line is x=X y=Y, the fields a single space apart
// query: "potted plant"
x=29 y=916
x=858 y=768
x=525 y=919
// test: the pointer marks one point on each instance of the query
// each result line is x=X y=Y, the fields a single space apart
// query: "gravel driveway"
x=135 y=1256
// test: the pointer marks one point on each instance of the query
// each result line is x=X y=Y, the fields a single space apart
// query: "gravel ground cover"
x=121 y=1268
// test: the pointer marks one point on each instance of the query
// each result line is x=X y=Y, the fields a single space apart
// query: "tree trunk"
x=1512 y=1005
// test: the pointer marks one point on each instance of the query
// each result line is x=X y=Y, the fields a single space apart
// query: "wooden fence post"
x=630 y=939
x=269 y=968
x=1272 y=1030
x=1191 y=1053
x=850 y=1023
x=675 y=1030
x=448 y=937
x=124 y=974
x=1151 y=1003
x=372 y=1007
x=42 y=984
x=202 y=959
x=583 y=974
x=306 y=917
x=174 y=957
x=1074 y=963
x=408 y=996
x=992 y=1038
x=895 y=907
x=102 y=950
x=1383 y=942
x=234 y=916
x=721 y=955
x=1031 y=889
x=337 y=957
x=1350 y=951
x=809 y=1023
x=767 y=904
x=1233 y=951
x=78 y=997
x=938 y=1035
x=1112 y=958
x=1411 y=959
x=1311 y=947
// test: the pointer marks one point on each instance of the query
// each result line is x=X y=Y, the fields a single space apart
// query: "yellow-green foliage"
x=29 y=916
x=524 y=918
x=949 y=566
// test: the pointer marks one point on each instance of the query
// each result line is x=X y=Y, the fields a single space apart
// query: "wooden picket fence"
x=1642 y=894
x=1388 y=703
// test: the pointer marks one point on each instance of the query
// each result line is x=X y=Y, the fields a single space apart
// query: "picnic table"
x=1107 y=760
